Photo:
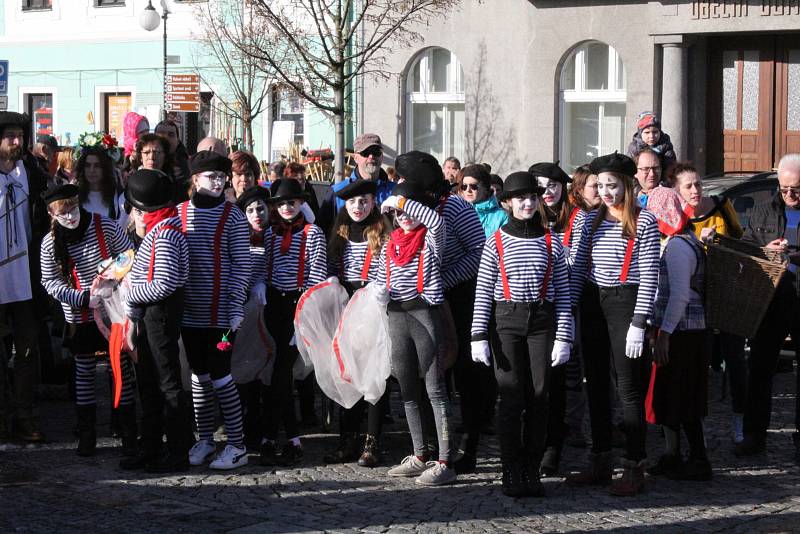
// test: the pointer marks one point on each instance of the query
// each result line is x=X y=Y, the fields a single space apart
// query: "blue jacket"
x=491 y=214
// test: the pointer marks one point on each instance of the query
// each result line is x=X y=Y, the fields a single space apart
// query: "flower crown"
x=100 y=140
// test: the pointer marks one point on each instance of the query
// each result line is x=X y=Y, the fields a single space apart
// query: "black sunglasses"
x=469 y=187
x=372 y=151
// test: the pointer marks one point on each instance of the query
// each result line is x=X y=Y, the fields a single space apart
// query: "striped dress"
x=283 y=270
x=85 y=255
x=219 y=263
x=404 y=281
x=607 y=248
x=156 y=275
x=525 y=262
x=463 y=242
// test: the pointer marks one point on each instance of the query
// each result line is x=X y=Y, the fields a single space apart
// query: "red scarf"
x=256 y=238
x=408 y=243
x=152 y=218
x=287 y=229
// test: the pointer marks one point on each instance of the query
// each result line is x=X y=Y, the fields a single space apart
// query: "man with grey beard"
x=24 y=223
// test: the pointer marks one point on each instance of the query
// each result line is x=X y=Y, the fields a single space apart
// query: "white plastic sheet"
x=315 y=322
x=362 y=343
x=254 y=349
x=111 y=286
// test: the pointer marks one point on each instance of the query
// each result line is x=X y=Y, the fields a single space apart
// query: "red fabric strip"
x=503 y=276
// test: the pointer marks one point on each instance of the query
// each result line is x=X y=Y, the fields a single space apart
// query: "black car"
x=744 y=189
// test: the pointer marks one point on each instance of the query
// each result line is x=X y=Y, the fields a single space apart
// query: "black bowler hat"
x=205 y=160
x=519 y=183
x=149 y=190
x=546 y=169
x=618 y=163
x=414 y=191
x=252 y=194
x=287 y=189
x=358 y=188
x=60 y=192
x=420 y=167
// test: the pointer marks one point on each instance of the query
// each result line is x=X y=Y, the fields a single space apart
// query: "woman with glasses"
x=219 y=267
x=296 y=260
x=474 y=186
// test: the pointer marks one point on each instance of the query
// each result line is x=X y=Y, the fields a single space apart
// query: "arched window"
x=435 y=104
x=592 y=104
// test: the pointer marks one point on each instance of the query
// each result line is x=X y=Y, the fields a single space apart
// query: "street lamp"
x=148 y=20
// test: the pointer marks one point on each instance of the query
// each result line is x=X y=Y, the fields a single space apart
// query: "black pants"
x=474 y=381
x=732 y=351
x=522 y=368
x=279 y=318
x=350 y=420
x=606 y=315
x=21 y=317
x=783 y=317
x=165 y=405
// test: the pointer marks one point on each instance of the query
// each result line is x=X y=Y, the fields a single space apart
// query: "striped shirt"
x=463 y=242
x=574 y=238
x=352 y=263
x=170 y=263
x=284 y=271
x=403 y=279
x=258 y=263
x=219 y=265
x=86 y=256
x=608 y=255
x=525 y=262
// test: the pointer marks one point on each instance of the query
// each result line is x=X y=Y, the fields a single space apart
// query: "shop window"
x=35 y=5
x=592 y=114
x=39 y=107
x=435 y=104
x=109 y=3
x=288 y=120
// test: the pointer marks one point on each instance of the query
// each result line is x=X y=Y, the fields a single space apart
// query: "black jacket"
x=767 y=222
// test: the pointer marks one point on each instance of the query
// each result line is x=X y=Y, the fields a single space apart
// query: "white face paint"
x=552 y=190
x=610 y=189
x=360 y=207
x=210 y=183
x=256 y=213
x=405 y=221
x=288 y=209
x=524 y=206
x=69 y=219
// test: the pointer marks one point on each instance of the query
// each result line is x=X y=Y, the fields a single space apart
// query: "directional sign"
x=183 y=78
x=183 y=87
x=183 y=97
x=191 y=107
x=3 y=76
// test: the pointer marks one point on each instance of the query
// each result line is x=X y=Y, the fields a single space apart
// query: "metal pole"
x=164 y=112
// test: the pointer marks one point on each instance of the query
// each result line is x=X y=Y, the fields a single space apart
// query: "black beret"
x=206 y=160
x=358 y=188
x=519 y=183
x=60 y=192
x=420 y=167
x=618 y=163
x=149 y=190
x=549 y=170
x=413 y=191
x=479 y=173
x=494 y=179
x=287 y=189
x=252 y=194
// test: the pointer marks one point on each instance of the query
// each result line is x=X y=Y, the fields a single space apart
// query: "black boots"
x=550 y=461
x=371 y=456
x=348 y=450
x=598 y=473
x=87 y=434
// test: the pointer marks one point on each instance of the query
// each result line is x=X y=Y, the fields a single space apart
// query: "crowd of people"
x=563 y=291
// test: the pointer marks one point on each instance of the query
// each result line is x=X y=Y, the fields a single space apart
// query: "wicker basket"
x=740 y=282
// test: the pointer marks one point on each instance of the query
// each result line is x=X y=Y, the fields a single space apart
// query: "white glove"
x=236 y=322
x=293 y=341
x=390 y=204
x=380 y=293
x=307 y=213
x=561 y=352
x=634 y=342
x=481 y=353
x=259 y=293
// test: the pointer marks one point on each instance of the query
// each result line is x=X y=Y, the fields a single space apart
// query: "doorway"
x=753 y=102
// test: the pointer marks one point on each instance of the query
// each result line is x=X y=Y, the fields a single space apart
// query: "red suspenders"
x=420 y=272
x=301 y=261
x=367 y=264
x=548 y=239
x=101 y=241
x=626 y=263
x=153 y=249
x=568 y=232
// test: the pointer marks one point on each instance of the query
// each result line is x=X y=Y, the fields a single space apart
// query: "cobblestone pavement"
x=48 y=488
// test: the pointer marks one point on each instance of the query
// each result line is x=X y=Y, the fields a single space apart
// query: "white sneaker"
x=437 y=474
x=230 y=458
x=201 y=451
x=738 y=428
x=411 y=466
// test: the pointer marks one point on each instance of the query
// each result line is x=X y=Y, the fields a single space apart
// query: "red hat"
x=648 y=119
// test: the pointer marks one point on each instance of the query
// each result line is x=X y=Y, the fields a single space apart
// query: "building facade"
x=511 y=82
x=81 y=65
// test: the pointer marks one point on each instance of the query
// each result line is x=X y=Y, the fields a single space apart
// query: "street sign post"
x=3 y=76
x=182 y=93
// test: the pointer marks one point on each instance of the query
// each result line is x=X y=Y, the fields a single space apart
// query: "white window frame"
x=452 y=96
x=581 y=94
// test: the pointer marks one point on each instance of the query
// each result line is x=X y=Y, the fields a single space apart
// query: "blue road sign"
x=3 y=76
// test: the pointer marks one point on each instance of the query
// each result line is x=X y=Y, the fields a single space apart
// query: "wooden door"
x=787 y=96
x=741 y=105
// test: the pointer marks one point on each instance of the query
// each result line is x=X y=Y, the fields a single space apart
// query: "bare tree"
x=325 y=44
x=226 y=29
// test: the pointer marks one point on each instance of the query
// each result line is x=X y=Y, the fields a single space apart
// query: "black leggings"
x=350 y=420
x=279 y=318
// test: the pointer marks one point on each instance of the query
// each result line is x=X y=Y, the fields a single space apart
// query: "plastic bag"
x=315 y=322
x=362 y=342
x=254 y=349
